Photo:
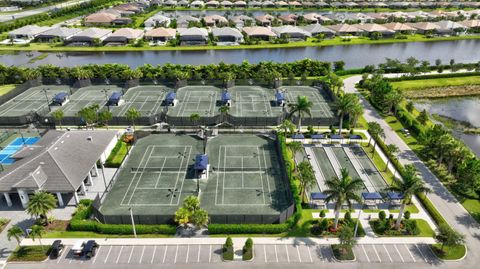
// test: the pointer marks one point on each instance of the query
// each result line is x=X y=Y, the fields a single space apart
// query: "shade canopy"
x=394 y=195
x=336 y=136
x=226 y=97
x=115 y=98
x=170 y=97
x=201 y=162
x=371 y=196
x=318 y=196
x=298 y=136
x=318 y=136
x=60 y=97
x=280 y=97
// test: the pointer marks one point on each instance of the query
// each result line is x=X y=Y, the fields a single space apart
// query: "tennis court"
x=200 y=100
x=321 y=104
x=15 y=146
x=253 y=101
x=87 y=96
x=146 y=99
x=32 y=100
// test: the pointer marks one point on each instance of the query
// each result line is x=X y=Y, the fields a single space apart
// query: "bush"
x=227 y=251
x=406 y=215
x=248 y=250
x=247 y=228
x=382 y=215
x=348 y=216
x=322 y=214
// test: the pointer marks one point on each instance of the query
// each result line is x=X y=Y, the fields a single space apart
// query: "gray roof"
x=93 y=33
x=194 y=31
x=60 y=32
x=58 y=162
x=29 y=30
x=317 y=28
x=289 y=29
x=226 y=31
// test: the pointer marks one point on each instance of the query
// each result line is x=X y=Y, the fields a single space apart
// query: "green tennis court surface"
x=253 y=101
x=202 y=100
x=146 y=99
x=321 y=103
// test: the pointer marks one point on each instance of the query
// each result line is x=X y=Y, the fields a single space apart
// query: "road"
x=21 y=14
x=453 y=212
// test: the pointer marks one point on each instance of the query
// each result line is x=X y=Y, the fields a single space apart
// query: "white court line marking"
x=298 y=253
x=390 y=257
x=108 y=254
x=98 y=252
x=365 y=252
x=210 y=254
x=265 y=253
x=421 y=253
x=188 y=251
x=288 y=256
x=65 y=252
x=409 y=252
x=176 y=253
x=376 y=252
x=153 y=255
x=141 y=256
x=198 y=256
x=165 y=254
x=119 y=254
x=130 y=257
x=398 y=252
x=276 y=255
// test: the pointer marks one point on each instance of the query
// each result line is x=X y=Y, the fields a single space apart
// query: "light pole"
x=356 y=224
x=133 y=222
x=46 y=97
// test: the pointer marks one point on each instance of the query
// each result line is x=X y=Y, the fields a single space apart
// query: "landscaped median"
x=29 y=254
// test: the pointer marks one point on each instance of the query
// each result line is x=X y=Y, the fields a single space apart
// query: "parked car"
x=56 y=249
x=90 y=249
x=77 y=248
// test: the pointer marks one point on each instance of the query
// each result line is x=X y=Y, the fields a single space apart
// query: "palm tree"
x=40 y=204
x=132 y=114
x=200 y=218
x=37 y=232
x=409 y=186
x=195 y=117
x=287 y=127
x=105 y=116
x=357 y=111
x=224 y=110
x=393 y=149
x=58 y=115
x=342 y=190
x=307 y=178
x=375 y=131
x=15 y=232
x=344 y=106
x=302 y=107
x=295 y=147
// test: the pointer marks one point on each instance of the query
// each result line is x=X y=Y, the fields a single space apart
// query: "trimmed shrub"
x=406 y=215
x=348 y=216
x=322 y=214
x=382 y=215
x=247 y=228
x=227 y=251
x=248 y=250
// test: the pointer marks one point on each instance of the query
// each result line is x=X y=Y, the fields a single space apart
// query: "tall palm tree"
x=357 y=111
x=132 y=114
x=410 y=185
x=58 y=115
x=40 y=204
x=37 y=232
x=15 y=232
x=342 y=190
x=376 y=131
x=302 y=107
x=393 y=151
x=287 y=127
x=307 y=178
x=295 y=147
x=344 y=106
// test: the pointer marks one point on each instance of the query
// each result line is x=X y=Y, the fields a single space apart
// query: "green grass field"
x=29 y=254
x=449 y=253
x=437 y=82
x=6 y=88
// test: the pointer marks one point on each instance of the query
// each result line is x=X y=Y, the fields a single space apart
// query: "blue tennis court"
x=14 y=146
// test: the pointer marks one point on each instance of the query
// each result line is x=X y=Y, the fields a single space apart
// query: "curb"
x=343 y=261
x=457 y=260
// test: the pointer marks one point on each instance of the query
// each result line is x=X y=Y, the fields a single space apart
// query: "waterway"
x=354 y=56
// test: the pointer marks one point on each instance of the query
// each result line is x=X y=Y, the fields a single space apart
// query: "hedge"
x=110 y=160
x=215 y=228
x=433 y=76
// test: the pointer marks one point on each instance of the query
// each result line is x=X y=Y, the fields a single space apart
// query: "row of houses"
x=196 y=35
x=117 y=15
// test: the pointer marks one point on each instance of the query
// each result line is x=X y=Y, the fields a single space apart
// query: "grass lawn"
x=117 y=155
x=423 y=227
x=343 y=254
x=472 y=206
x=421 y=84
x=3 y=223
x=84 y=234
x=6 y=88
x=449 y=253
x=29 y=254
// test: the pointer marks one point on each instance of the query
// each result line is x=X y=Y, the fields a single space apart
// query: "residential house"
x=451 y=28
x=316 y=18
x=58 y=33
x=130 y=7
x=193 y=36
x=346 y=29
x=89 y=36
x=105 y=18
x=215 y=20
x=157 y=20
x=321 y=4
x=269 y=4
x=259 y=32
x=227 y=35
x=295 y=4
x=242 y=20
x=170 y=3
x=226 y=4
x=291 y=32
x=308 y=4
x=27 y=32
x=160 y=35
x=372 y=28
x=183 y=3
x=184 y=21
x=212 y=4
x=288 y=19
x=123 y=36
x=197 y=4
x=264 y=20
x=400 y=27
x=317 y=29
x=425 y=27
x=240 y=4
x=255 y=4
x=472 y=25
x=281 y=4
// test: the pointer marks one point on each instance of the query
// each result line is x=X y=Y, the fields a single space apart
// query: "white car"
x=77 y=248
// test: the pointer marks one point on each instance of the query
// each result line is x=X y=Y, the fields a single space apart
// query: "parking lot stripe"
x=310 y=254
x=153 y=255
x=198 y=256
x=421 y=253
x=188 y=251
x=65 y=251
x=378 y=256
x=176 y=253
x=398 y=252
x=388 y=254
x=265 y=253
x=130 y=257
x=119 y=254
x=108 y=254
x=288 y=256
x=141 y=255
x=298 y=253
x=98 y=252
x=409 y=252
x=365 y=252
x=165 y=254
x=210 y=254
x=276 y=255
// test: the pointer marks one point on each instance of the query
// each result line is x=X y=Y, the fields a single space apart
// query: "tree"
x=301 y=108
x=89 y=115
x=409 y=186
x=132 y=114
x=37 y=232
x=190 y=212
x=356 y=112
x=199 y=218
x=334 y=82
x=307 y=177
x=344 y=106
x=449 y=237
x=346 y=238
x=182 y=216
x=375 y=131
x=15 y=232
x=195 y=117
x=423 y=117
x=105 y=116
x=287 y=127
x=40 y=204
x=409 y=106
x=191 y=203
x=224 y=110
x=342 y=190
x=58 y=115
x=294 y=147
x=393 y=149
x=392 y=100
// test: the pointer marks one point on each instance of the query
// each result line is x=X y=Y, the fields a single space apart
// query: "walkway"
x=333 y=160
x=360 y=170
x=316 y=168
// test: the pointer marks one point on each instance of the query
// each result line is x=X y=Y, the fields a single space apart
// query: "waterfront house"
x=451 y=28
x=27 y=32
x=215 y=20
x=193 y=36
x=264 y=20
x=123 y=36
x=184 y=21
x=160 y=35
x=317 y=29
x=291 y=32
x=57 y=34
x=157 y=20
x=346 y=29
x=183 y=3
x=197 y=4
x=89 y=36
x=316 y=18
x=372 y=28
x=425 y=27
x=227 y=35
x=255 y=4
x=288 y=19
x=212 y=4
x=269 y=4
x=295 y=4
x=240 y=4
x=226 y=4
x=170 y=3
x=472 y=25
x=242 y=20
x=259 y=32
x=281 y=4
x=400 y=27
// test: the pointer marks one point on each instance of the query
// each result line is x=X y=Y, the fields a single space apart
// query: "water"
x=354 y=56
x=463 y=109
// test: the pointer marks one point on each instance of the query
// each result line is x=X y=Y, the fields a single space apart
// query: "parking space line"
x=298 y=254
x=378 y=256
x=409 y=252
x=421 y=253
x=130 y=257
x=398 y=252
x=265 y=253
x=141 y=256
x=433 y=256
x=276 y=255
x=165 y=254
x=288 y=256
x=108 y=254
x=388 y=254
x=98 y=252
x=65 y=252
x=210 y=254
x=365 y=252
x=176 y=253
x=198 y=256
x=119 y=254
x=188 y=251
x=153 y=255
x=310 y=254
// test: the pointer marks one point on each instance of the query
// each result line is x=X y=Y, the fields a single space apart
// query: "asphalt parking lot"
x=279 y=253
